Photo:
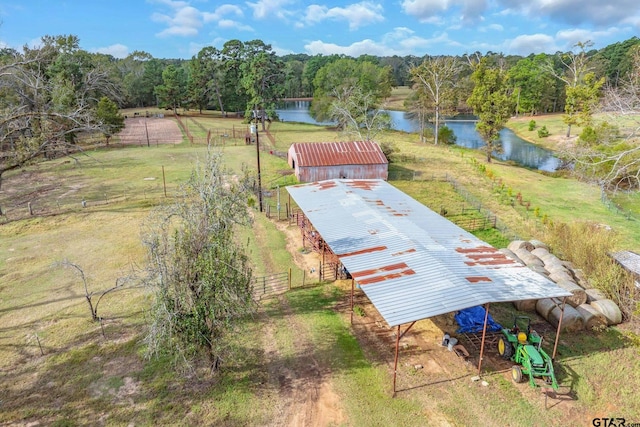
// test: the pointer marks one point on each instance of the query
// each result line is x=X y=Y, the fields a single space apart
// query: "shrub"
x=446 y=135
x=532 y=125
x=588 y=246
x=543 y=132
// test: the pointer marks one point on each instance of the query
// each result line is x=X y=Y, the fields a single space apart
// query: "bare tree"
x=121 y=283
x=435 y=82
x=614 y=160
x=48 y=98
x=358 y=113
x=582 y=87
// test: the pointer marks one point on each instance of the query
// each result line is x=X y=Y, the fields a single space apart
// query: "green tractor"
x=523 y=346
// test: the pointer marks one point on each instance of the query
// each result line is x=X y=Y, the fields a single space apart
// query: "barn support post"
x=395 y=365
x=555 y=345
x=352 y=286
x=484 y=335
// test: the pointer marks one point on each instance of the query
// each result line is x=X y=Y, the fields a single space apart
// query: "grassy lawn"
x=57 y=367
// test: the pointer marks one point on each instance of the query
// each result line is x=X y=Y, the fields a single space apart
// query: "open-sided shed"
x=317 y=161
x=410 y=262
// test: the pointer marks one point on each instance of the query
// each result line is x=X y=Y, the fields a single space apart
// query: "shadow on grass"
x=100 y=378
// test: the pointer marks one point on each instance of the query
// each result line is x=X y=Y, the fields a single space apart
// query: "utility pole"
x=258 y=159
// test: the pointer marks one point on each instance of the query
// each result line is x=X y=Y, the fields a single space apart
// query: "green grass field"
x=57 y=367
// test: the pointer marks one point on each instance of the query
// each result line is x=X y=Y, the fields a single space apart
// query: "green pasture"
x=57 y=367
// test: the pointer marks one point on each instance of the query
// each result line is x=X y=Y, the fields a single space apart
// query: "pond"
x=514 y=148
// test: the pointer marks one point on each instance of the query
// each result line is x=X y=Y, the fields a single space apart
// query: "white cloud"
x=116 y=50
x=262 y=9
x=186 y=21
x=532 y=43
x=401 y=41
x=579 y=12
x=491 y=27
x=355 y=49
x=357 y=15
x=222 y=11
x=570 y=37
x=227 y=24
x=433 y=11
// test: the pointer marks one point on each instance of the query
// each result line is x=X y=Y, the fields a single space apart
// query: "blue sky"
x=180 y=28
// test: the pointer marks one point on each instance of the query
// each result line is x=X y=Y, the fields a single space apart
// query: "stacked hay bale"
x=585 y=308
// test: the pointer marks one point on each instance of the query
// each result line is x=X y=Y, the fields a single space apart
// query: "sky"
x=181 y=28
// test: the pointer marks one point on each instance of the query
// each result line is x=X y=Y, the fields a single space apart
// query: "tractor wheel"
x=505 y=348
x=516 y=374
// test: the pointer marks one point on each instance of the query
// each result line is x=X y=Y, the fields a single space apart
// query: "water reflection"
x=514 y=148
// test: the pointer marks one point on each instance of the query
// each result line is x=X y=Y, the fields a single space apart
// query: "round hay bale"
x=551 y=260
x=545 y=305
x=540 y=270
x=537 y=244
x=540 y=252
x=517 y=244
x=581 y=278
x=578 y=295
x=528 y=257
x=593 y=319
x=525 y=305
x=610 y=310
x=594 y=295
x=556 y=268
x=510 y=254
x=560 y=276
x=571 y=319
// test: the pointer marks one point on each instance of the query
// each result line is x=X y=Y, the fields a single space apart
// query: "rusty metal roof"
x=338 y=153
x=411 y=262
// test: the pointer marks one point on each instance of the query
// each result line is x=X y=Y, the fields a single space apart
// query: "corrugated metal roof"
x=338 y=153
x=411 y=262
x=629 y=260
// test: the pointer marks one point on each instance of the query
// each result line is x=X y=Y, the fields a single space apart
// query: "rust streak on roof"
x=363 y=184
x=478 y=249
x=408 y=251
x=376 y=279
x=364 y=251
x=476 y=279
x=373 y=271
x=325 y=185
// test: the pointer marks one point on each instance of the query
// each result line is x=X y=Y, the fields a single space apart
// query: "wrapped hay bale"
x=571 y=319
x=525 y=305
x=594 y=295
x=528 y=258
x=540 y=253
x=593 y=319
x=545 y=305
x=537 y=244
x=510 y=254
x=518 y=244
x=578 y=295
x=609 y=309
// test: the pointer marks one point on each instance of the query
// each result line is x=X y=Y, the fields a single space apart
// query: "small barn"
x=318 y=161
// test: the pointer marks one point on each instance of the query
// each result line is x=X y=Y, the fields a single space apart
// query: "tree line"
x=52 y=94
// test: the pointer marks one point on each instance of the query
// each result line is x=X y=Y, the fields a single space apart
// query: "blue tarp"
x=472 y=320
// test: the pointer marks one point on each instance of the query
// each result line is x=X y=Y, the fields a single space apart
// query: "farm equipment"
x=522 y=345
